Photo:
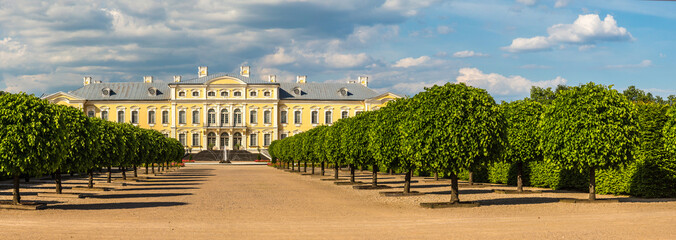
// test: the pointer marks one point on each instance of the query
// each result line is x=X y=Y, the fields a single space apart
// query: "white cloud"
x=561 y=3
x=642 y=64
x=497 y=84
x=468 y=53
x=535 y=66
x=278 y=58
x=444 y=29
x=586 y=30
x=11 y=52
x=411 y=62
x=586 y=47
x=527 y=2
x=338 y=60
x=408 y=7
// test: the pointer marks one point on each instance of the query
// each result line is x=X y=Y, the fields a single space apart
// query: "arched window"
x=344 y=114
x=267 y=93
x=225 y=140
x=253 y=117
x=237 y=117
x=90 y=113
x=315 y=117
x=211 y=117
x=196 y=93
x=253 y=93
x=181 y=94
x=195 y=117
x=224 y=94
x=224 y=117
x=238 y=94
x=211 y=140
x=328 y=119
x=237 y=140
x=211 y=94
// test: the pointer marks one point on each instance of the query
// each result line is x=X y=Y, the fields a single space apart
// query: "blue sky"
x=402 y=45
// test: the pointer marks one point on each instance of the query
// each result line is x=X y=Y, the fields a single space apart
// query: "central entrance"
x=225 y=139
x=237 y=141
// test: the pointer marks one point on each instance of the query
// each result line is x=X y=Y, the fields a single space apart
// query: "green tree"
x=80 y=144
x=318 y=153
x=455 y=127
x=332 y=146
x=521 y=122
x=589 y=127
x=354 y=144
x=30 y=137
x=384 y=136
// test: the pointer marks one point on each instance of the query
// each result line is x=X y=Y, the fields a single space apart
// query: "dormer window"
x=297 y=91
x=152 y=91
x=211 y=94
x=106 y=92
x=343 y=92
x=252 y=93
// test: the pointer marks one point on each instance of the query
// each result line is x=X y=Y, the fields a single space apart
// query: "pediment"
x=62 y=97
x=225 y=81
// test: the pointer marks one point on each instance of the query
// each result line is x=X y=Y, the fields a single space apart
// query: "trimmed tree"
x=589 y=127
x=318 y=152
x=521 y=122
x=332 y=146
x=384 y=143
x=30 y=138
x=354 y=144
x=453 y=127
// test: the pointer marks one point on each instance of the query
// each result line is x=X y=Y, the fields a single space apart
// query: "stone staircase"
x=233 y=155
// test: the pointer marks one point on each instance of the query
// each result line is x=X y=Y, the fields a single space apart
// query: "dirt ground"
x=260 y=202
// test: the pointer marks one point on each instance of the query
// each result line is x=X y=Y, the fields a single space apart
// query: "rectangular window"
x=266 y=139
x=120 y=116
x=134 y=117
x=90 y=114
x=151 y=117
x=253 y=117
x=328 y=119
x=181 y=117
x=195 y=117
x=165 y=117
x=283 y=136
x=181 y=138
x=104 y=115
x=166 y=135
x=266 y=117
x=195 y=139
x=253 y=140
x=282 y=117
x=296 y=117
x=344 y=114
x=315 y=117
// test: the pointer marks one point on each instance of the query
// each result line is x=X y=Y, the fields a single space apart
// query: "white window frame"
x=328 y=117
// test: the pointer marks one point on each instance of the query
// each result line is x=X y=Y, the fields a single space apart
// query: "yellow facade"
x=224 y=112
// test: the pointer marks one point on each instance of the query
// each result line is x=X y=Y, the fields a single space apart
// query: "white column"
x=244 y=143
x=231 y=117
x=244 y=114
x=205 y=114
x=231 y=143
x=218 y=116
x=173 y=120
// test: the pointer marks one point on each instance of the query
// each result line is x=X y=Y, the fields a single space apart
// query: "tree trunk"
x=304 y=166
x=27 y=178
x=146 y=169
x=436 y=176
x=374 y=182
x=91 y=178
x=519 y=177
x=110 y=173
x=352 y=173
x=592 y=184
x=152 y=168
x=57 y=180
x=335 y=173
x=135 y=172
x=322 y=172
x=454 y=188
x=124 y=173
x=71 y=174
x=391 y=172
x=158 y=168
x=471 y=178
x=313 y=168
x=407 y=182
x=16 y=200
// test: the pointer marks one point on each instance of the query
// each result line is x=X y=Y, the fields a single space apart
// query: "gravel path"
x=257 y=202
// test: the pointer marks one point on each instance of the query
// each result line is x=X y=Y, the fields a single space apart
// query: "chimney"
x=202 y=71
x=177 y=78
x=364 y=80
x=244 y=71
x=272 y=78
x=87 y=80
x=148 y=79
x=301 y=79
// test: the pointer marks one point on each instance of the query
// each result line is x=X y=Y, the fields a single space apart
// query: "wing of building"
x=224 y=110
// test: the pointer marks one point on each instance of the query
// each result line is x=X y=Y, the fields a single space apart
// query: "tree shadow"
x=518 y=201
x=165 y=184
x=155 y=189
x=124 y=205
x=170 y=180
x=396 y=182
x=139 y=195
x=463 y=191
x=647 y=200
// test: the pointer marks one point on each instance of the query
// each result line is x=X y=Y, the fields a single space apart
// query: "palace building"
x=233 y=111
